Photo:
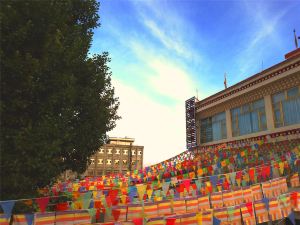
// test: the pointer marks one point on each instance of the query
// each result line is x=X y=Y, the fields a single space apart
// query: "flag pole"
x=295 y=39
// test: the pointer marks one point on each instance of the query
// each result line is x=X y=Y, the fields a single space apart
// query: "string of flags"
x=256 y=176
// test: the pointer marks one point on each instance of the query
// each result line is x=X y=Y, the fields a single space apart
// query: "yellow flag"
x=199 y=218
x=120 y=184
x=149 y=193
x=95 y=194
x=141 y=188
x=123 y=199
x=281 y=167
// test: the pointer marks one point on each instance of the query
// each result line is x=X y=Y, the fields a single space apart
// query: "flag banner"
x=116 y=214
x=248 y=213
x=165 y=187
x=283 y=185
x=92 y=215
x=123 y=211
x=141 y=189
x=179 y=206
x=296 y=202
x=164 y=208
x=266 y=188
x=295 y=180
x=83 y=216
x=19 y=219
x=234 y=215
x=186 y=184
x=149 y=193
x=191 y=205
x=64 y=218
x=172 y=217
x=134 y=211
x=256 y=192
x=7 y=207
x=42 y=203
x=247 y=194
x=86 y=198
x=216 y=200
x=47 y=218
x=150 y=210
x=221 y=214
x=207 y=217
x=137 y=221
x=261 y=211
x=275 y=187
x=228 y=198
x=274 y=209
x=160 y=221
x=203 y=203
x=189 y=219
x=29 y=218
x=285 y=205
x=291 y=217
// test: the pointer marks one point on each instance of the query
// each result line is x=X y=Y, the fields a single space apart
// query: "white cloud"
x=168 y=40
x=263 y=32
x=165 y=76
x=157 y=127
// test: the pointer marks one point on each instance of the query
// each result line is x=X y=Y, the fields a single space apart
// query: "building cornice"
x=249 y=82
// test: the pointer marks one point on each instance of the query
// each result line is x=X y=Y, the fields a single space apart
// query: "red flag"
x=187 y=184
x=294 y=196
x=108 y=201
x=113 y=196
x=116 y=214
x=138 y=221
x=42 y=202
x=170 y=221
x=250 y=208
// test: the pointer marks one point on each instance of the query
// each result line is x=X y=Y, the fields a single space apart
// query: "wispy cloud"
x=262 y=34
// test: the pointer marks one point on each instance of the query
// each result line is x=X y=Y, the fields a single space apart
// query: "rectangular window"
x=133 y=152
x=286 y=107
x=117 y=151
x=248 y=118
x=108 y=162
x=213 y=128
x=125 y=152
x=100 y=161
x=92 y=161
x=117 y=161
x=101 y=151
x=139 y=152
x=109 y=151
x=124 y=162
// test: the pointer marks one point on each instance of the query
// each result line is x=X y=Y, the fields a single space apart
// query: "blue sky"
x=162 y=51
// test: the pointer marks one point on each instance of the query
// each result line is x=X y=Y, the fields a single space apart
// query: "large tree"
x=57 y=101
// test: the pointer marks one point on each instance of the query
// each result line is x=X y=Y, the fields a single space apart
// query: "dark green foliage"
x=57 y=104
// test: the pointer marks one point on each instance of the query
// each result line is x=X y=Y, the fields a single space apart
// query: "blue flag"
x=291 y=217
x=266 y=201
x=216 y=221
x=29 y=218
x=7 y=207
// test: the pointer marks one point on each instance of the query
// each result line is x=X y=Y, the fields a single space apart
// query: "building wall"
x=115 y=158
x=277 y=79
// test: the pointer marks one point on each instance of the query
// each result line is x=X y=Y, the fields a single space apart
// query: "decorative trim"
x=265 y=137
x=257 y=81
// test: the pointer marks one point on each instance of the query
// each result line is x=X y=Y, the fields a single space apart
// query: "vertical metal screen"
x=190 y=123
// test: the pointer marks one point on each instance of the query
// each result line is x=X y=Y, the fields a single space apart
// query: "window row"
x=116 y=161
x=251 y=117
x=118 y=151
